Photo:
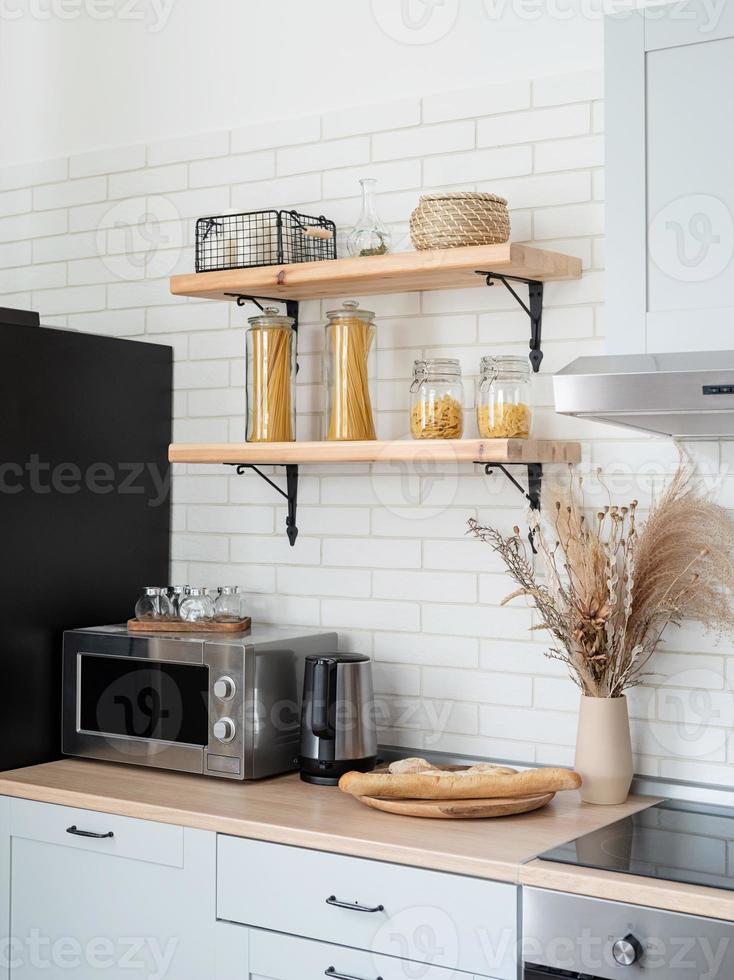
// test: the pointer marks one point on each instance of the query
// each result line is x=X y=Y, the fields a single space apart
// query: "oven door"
x=141 y=700
x=546 y=973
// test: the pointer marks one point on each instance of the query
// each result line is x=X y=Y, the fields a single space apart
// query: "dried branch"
x=610 y=591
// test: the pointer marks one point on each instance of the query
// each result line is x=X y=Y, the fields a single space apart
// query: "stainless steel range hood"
x=687 y=396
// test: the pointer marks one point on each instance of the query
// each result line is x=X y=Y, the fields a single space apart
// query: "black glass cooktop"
x=674 y=841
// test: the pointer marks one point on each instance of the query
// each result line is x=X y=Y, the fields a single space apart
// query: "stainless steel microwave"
x=219 y=705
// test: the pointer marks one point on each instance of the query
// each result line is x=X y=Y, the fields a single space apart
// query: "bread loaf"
x=431 y=785
x=403 y=766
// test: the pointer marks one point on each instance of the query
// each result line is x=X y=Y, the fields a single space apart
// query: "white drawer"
x=276 y=957
x=141 y=840
x=446 y=920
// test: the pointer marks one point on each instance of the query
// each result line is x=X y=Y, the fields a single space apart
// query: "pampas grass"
x=609 y=590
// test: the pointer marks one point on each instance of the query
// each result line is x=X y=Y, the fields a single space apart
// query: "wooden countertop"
x=715 y=903
x=287 y=811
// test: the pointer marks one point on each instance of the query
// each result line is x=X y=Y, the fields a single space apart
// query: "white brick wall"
x=382 y=554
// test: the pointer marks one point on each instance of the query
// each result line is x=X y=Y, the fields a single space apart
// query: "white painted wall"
x=382 y=555
x=80 y=74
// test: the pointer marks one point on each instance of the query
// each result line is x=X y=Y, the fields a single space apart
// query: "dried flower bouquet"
x=607 y=589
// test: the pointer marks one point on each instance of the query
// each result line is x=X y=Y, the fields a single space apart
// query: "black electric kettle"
x=338 y=731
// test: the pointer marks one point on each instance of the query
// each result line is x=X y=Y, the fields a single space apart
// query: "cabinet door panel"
x=276 y=957
x=690 y=193
x=670 y=198
x=142 y=840
x=426 y=916
x=80 y=912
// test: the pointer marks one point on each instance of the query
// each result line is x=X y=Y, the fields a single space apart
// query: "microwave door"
x=143 y=711
x=127 y=698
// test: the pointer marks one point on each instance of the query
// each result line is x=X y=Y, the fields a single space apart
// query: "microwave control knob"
x=627 y=951
x=224 y=688
x=224 y=730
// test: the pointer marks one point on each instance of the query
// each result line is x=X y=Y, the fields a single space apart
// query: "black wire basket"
x=243 y=241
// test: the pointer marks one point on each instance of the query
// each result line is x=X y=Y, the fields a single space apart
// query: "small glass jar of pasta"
x=271 y=377
x=350 y=333
x=503 y=405
x=437 y=399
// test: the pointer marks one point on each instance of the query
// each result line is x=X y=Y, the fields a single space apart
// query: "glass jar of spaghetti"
x=350 y=334
x=437 y=399
x=503 y=405
x=271 y=377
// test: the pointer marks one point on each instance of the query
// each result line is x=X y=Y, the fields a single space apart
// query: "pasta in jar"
x=350 y=334
x=271 y=373
x=437 y=395
x=503 y=409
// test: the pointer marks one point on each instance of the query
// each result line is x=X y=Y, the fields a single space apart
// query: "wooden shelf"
x=531 y=453
x=407 y=450
x=399 y=272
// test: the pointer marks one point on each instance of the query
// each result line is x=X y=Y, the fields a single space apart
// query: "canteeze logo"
x=39 y=476
x=415 y=21
x=152 y=14
x=692 y=238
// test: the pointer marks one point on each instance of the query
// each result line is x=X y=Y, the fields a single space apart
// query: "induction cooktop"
x=673 y=841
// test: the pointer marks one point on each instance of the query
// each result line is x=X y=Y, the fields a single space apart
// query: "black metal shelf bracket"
x=535 y=485
x=291 y=308
x=291 y=305
x=534 y=309
x=290 y=493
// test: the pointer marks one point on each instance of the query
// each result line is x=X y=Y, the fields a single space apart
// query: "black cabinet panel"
x=85 y=423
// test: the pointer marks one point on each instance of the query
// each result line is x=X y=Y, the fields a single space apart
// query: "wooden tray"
x=458 y=809
x=140 y=626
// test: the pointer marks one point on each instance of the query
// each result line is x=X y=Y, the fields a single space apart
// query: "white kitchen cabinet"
x=670 y=194
x=137 y=899
x=89 y=894
x=255 y=954
x=434 y=920
x=274 y=957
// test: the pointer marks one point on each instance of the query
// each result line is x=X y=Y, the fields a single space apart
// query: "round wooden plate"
x=458 y=809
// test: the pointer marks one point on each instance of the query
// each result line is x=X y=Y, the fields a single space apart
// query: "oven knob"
x=224 y=730
x=224 y=688
x=627 y=951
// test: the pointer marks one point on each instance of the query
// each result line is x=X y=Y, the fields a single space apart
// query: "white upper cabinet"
x=670 y=178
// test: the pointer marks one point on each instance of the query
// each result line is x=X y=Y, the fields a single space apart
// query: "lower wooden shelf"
x=398 y=450
x=493 y=453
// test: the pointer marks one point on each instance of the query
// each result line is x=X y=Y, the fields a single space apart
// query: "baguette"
x=403 y=766
x=450 y=786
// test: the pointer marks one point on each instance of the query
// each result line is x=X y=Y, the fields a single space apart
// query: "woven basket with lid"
x=453 y=219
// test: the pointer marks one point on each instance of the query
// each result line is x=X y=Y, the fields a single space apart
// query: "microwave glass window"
x=140 y=699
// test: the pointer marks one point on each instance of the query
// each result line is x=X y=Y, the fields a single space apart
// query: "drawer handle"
x=331 y=972
x=87 y=833
x=354 y=906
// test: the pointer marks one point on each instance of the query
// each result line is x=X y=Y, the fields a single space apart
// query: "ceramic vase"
x=604 y=750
